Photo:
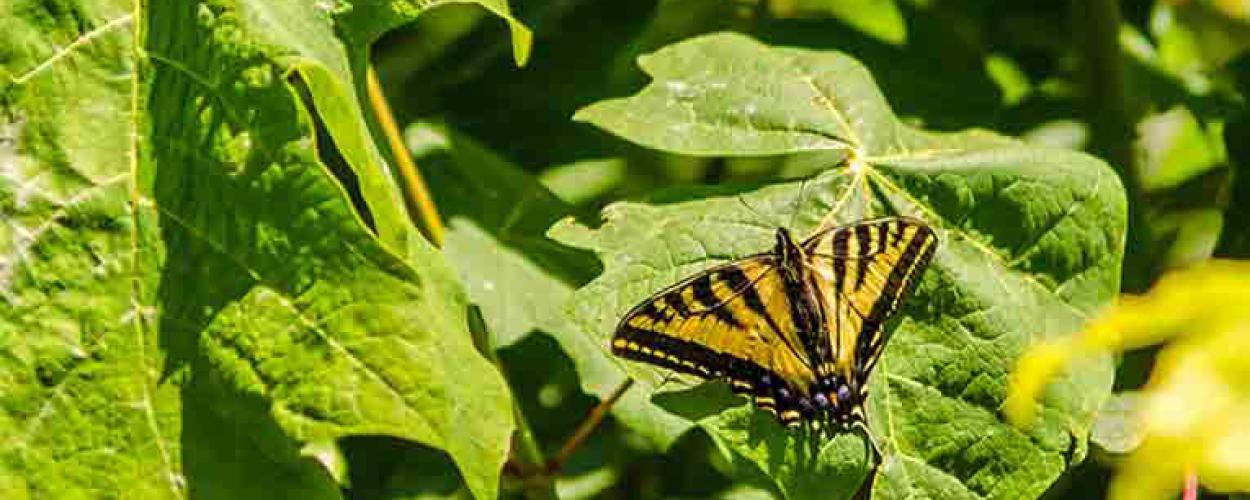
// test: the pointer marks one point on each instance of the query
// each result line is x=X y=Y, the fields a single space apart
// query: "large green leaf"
x=192 y=306
x=81 y=411
x=1031 y=241
x=277 y=285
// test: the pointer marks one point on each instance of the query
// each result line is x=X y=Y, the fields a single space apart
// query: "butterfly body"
x=797 y=328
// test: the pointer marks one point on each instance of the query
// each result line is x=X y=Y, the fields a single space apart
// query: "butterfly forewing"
x=732 y=321
x=866 y=271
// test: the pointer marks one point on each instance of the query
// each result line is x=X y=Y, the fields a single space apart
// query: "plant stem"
x=1100 y=74
x=587 y=426
x=416 y=196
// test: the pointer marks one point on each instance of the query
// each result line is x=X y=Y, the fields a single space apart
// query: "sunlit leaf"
x=81 y=409
x=1176 y=148
x=193 y=306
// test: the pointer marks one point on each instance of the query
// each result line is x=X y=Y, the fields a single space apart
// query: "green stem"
x=1100 y=74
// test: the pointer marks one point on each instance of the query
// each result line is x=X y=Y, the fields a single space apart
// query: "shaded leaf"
x=521 y=279
x=1235 y=238
x=364 y=21
x=473 y=88
x=496 y=215
x=1031 y=241
x=880 y=19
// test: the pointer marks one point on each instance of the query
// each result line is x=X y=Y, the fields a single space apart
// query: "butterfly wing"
x=732 y=321
x=865 y=270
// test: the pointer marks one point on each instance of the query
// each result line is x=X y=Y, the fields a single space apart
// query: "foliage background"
x=1155 y=88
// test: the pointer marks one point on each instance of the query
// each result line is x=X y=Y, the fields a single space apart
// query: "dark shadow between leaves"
x=389 y=467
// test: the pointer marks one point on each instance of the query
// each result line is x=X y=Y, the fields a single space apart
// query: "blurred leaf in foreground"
x=1194 y=413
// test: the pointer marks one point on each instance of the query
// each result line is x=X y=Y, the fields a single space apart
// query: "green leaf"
x=364 y=21
x=192 y=306
x=583 y=181
x=497 y=215
x=880 y=19
x=81 y=411
x=274 y=282
x=1118 y=429
x=1175 y=148
x=232 y=448
x=1031 y=241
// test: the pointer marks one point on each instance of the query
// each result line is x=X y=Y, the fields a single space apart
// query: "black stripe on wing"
x=767 y=388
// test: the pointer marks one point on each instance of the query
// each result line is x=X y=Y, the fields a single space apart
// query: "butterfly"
x=798 y=328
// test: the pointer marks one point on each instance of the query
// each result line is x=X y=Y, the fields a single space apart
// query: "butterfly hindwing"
x=732 y=321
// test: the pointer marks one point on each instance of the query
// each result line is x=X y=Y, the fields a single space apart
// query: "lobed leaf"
x=192 y=306
x=1030 y=245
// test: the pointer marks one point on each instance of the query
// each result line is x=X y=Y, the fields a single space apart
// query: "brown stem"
x=587 y=426
x=416 y=196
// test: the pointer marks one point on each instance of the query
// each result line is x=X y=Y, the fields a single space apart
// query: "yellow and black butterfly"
x=798 y=328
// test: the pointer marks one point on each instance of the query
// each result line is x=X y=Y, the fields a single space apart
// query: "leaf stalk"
x=587 y=426
x=417 y=196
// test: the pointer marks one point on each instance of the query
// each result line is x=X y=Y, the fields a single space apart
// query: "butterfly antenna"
x=798 y=200
x=755 y=212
